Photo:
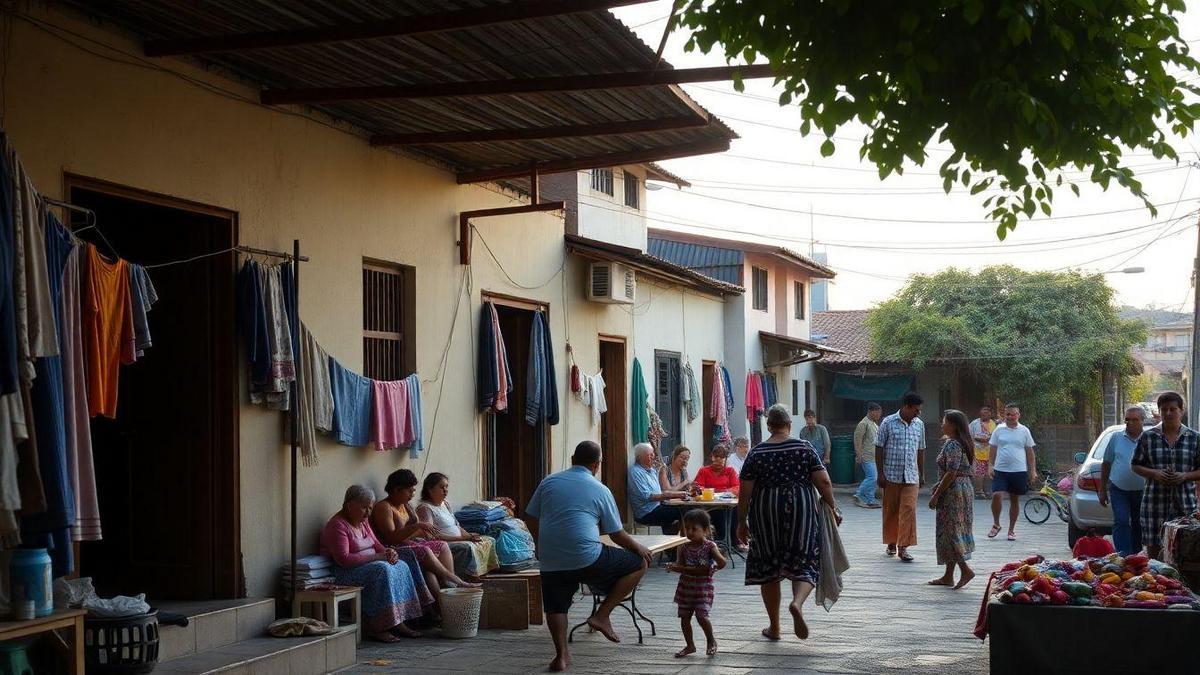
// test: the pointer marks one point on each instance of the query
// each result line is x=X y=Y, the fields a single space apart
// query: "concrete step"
x=213 y=624
x=270 y=656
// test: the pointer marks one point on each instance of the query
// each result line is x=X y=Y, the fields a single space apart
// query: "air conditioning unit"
x=612 y=283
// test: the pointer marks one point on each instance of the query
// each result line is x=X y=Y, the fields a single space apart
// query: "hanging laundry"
x=315 y=398
x=596 y=399
x=416 y=443
x=655 y=431
x=770 y=392
x=51 y=529
x=143 y=297
x=316 y=374
x=275 y=393
x=494 y=378
x=107 y=329
x=639 y=419
x=36 y=330
x=541 y=383
x=727 y=388
x=287 y=278
x=13 y=434
x=754 y=396
x=691 y=395
x=8 y=306
x=75 y=407
x=390 y=428
x=720 y=414
x=576 y=381
x=352 y=402
x=252 y=322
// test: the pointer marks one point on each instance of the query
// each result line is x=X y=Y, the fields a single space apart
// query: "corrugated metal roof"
x=652 y=264
x=583 y=43
x=814 y=268
x=719 y=263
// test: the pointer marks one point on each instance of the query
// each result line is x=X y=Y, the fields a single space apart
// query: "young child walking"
x=699 y=558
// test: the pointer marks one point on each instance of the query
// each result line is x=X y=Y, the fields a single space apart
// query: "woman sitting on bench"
x=474 y=554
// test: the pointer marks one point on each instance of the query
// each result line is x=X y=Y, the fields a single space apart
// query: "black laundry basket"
x=128 y=644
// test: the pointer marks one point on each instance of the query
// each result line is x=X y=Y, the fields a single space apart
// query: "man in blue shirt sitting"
x=568 y=506
x=646 y=493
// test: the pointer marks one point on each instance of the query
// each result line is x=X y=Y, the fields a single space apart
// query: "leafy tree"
x=1023 y=90
x=1040 y=338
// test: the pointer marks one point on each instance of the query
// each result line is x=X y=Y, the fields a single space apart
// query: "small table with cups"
x=719 y=502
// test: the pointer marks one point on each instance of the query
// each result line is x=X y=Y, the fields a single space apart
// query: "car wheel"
x=1073 y=533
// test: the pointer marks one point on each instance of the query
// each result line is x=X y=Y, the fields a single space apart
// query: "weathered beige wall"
x=288 y=176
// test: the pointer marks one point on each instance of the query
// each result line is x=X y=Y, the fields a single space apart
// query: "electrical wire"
x=508 y=276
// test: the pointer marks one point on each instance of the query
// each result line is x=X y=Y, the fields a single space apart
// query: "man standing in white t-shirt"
x=1011 y=467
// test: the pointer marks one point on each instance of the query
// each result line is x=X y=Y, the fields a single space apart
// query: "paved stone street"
x=886 y=620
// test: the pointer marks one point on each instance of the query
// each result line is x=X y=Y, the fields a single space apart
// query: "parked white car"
x=1086 y=511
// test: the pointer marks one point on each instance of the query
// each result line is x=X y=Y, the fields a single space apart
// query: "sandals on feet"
x=1012 y=536
x=993 y=532
x=891 y=550
x=905 y=557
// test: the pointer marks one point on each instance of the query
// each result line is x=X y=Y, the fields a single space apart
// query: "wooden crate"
x=505 y=604
x=534 y=577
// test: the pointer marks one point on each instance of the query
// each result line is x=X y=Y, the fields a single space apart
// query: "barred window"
x=389 y=345
x=631 y=190
x=602 y=181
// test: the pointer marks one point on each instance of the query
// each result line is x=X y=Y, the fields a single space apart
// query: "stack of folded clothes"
x=312 y=572
x=478 y=517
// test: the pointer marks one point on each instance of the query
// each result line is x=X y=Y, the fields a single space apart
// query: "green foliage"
x=1138 y=387
x=1023 y=90
x=1040 y=338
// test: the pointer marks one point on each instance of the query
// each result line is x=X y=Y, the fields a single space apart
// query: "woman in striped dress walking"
x=779 y=512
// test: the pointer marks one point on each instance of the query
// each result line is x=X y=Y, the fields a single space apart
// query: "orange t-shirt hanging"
x=108 y=329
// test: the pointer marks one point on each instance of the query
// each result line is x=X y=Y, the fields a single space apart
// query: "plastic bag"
x=113 y=608
x=514 y=546
x=72 y=592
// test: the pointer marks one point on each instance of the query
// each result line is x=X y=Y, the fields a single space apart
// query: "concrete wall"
x=291 y=176
x=670 y=318
x=607 y=218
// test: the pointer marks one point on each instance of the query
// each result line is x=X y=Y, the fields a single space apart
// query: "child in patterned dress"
x=699 y=558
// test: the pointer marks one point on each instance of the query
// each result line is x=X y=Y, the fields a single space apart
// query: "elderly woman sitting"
x=393 y=590
x=474 y=554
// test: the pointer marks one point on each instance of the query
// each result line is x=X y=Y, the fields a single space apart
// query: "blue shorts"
x=559 y=588
x=1015 y=483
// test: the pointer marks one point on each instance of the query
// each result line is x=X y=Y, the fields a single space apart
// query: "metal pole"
x=1193 y=369
x=295 y=403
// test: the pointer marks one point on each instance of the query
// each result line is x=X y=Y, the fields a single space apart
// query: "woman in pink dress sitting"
x=393 y=589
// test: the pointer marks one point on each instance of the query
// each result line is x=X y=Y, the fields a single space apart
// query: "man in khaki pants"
x=898 y=455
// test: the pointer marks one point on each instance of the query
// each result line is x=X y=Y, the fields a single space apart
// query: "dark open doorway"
x=517 y=455
x=167 y=466
x=615 y=463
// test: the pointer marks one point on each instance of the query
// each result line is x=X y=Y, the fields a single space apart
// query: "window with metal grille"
x=759 y=281
x=389 y=345
x=602 y=181
x=631 y=190
x=799 y=299
x=795 y=397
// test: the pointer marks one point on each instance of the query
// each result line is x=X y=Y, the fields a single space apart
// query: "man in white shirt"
x=1011 y=467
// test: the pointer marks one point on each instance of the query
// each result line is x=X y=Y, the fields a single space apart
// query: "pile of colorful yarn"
x=1133 y=581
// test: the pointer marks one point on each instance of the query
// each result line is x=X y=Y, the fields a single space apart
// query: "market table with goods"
x=1079 y=615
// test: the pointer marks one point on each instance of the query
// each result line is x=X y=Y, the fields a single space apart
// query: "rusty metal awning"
x=784 y=350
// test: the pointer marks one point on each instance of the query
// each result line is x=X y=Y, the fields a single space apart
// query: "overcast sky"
x=853 y=211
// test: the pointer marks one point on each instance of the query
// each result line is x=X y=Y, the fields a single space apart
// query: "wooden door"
x=167 y=466
x=613 y=430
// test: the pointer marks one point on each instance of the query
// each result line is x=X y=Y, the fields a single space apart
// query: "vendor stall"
x=1083 y=615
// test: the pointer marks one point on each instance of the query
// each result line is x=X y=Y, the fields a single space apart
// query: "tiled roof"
x=844 y=330
x=719 y=263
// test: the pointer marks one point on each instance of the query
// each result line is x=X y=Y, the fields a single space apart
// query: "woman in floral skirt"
x=953 y=497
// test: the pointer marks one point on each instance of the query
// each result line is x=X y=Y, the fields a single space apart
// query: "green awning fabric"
x=871 y=388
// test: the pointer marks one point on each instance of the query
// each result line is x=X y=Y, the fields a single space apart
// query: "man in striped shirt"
x=898 y=453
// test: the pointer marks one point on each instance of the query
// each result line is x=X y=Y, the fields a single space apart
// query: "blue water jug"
x=30 y=579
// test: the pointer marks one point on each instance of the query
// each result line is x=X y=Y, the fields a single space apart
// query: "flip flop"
x=890 y=551
x=1012 y=536
x=905 y=557
x=993 y=532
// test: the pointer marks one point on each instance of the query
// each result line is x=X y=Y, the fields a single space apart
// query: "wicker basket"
x=128 y=644
x=460 y=611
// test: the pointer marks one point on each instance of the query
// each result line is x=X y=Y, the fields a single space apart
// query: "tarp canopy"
x=871 y=388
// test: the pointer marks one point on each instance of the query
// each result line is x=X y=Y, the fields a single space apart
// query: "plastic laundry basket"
x=460 y=611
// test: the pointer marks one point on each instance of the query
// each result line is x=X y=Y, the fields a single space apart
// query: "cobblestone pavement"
x=887 y=619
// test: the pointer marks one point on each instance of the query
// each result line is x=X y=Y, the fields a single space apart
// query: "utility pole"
x=1193 y=367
